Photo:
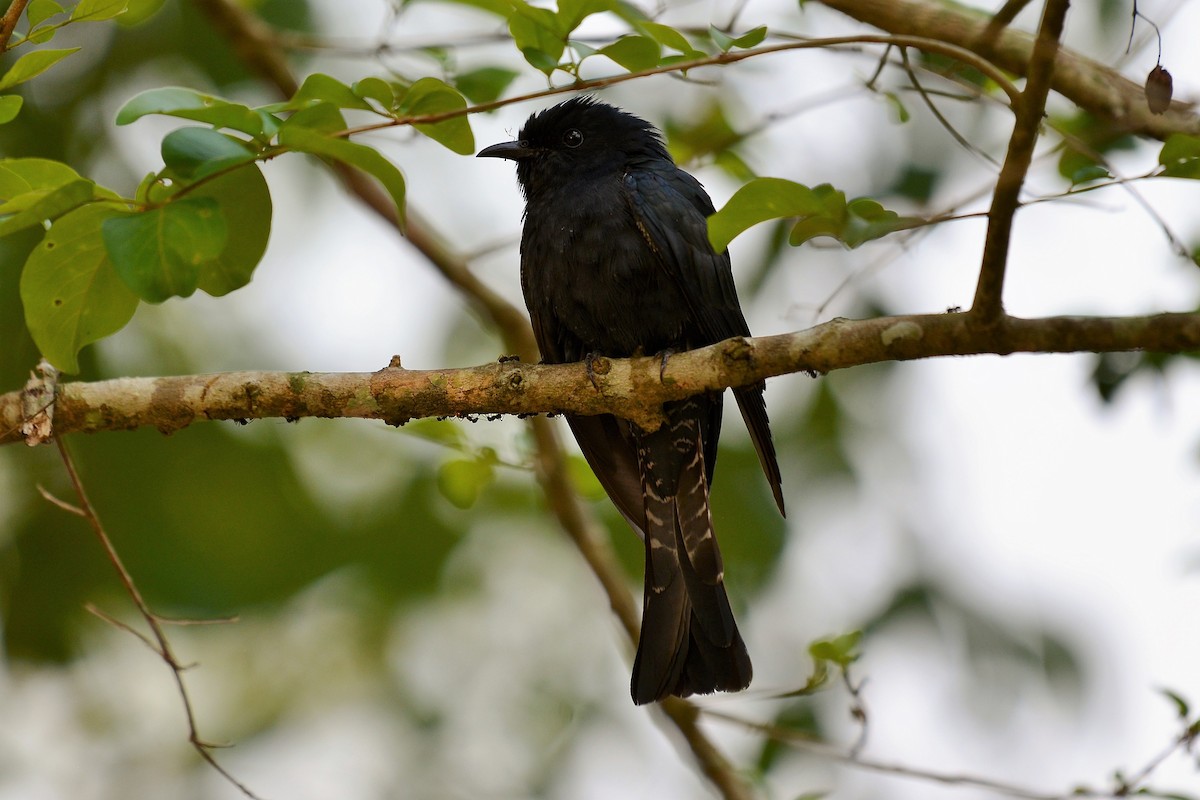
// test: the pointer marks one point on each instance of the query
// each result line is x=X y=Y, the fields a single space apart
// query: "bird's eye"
x=573 y=138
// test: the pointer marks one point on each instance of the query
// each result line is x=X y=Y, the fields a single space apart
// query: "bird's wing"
x=671 y=209
x=606 y=444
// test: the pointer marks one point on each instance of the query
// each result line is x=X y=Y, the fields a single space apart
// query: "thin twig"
x=844 y=755
x=851 y=758
x=1000 y=20
x=158 y=641
x=1131 y=785
x=990 y=70
x=963 y=142
x=63 y=504
x=858 y=710
x=96 y=611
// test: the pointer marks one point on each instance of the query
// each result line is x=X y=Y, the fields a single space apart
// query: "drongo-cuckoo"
x=615 y=261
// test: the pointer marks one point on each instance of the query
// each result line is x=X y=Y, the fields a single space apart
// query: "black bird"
x=615 y=261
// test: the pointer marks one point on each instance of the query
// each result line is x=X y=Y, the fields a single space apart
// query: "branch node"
x=37 y=404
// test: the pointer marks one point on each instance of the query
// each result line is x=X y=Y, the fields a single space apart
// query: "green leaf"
x=898 y=107
x=196 y=153
x=33 y=64
x=21 y=175
x=1079 y=167
x=1089 y=173
x=139 y=11
x=322 y=117
x=535 y=32
x=721 y=40
x=829 y=219
x=733 y=164
x=307 y=140
x=746 y=40
x=42 y=34
x=634 y=53
x=323 y=87
x=37 y=206
x=760 y=200
x=866 y=219
x=1180 y=156
x=572 y=13
x=244 y=198
x=501 y=8
x=462 y=481
x=1181 y=705
x=41 y=10
x=95 y=10
x=69 y=290
x=376 y=89
x=581 y=50
x=669 y=37
x=175 y=101
x=10 y=106
x=485 y=84
x=584 y=479
x=751 y=38
x=707 y=134
x=158 y=253
x=440 y=431
x=432 y=96
x=540 y=59
x=841 y=650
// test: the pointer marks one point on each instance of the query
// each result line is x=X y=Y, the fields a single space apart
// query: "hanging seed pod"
x=1159 y=87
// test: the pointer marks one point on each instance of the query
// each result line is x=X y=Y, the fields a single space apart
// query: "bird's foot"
x=596 y=365
x=662 y=366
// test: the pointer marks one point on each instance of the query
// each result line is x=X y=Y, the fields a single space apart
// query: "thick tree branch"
x=8 y=23
x=1007 y=196
x=1094 y=87
x=631 y=388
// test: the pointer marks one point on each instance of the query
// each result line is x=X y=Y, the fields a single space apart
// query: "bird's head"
x=578 y=139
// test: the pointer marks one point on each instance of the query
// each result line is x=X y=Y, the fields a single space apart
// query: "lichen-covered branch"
x=631 y=388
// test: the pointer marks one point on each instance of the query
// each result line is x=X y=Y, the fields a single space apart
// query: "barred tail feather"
x=689 y=642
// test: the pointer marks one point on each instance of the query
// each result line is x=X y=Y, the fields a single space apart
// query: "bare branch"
x=1007 y=196
x=1094 y=87
x=158 y=640
x=851 y=757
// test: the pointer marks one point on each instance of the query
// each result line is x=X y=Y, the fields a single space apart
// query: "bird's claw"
x=662 y=367
x=593 y=360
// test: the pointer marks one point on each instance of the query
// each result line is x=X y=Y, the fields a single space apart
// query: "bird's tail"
x=689 y=642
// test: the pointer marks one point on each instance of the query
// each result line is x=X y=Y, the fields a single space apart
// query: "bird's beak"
x=514 y=150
